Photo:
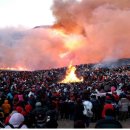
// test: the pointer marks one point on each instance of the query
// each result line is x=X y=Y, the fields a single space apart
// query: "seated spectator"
x=109 y=121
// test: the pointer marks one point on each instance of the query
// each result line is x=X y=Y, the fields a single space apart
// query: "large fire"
x=71 y=76
x=72 y=41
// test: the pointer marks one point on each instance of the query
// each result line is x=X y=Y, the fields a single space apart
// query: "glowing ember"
x=14 y=68
x=58 y=32
x=71 y=76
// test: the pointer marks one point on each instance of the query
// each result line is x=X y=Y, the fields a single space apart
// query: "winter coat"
x=108 y=123
x=6 y=107
x=123 y=104
x=38 y=117
x=20 y=97
x=106 y=106
x=16 y=121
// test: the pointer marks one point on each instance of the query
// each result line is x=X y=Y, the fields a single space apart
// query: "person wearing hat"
x=6 y=108
x=16 y=121
x=38 y=116
x=109 y=121
x=8 y=117
x=107 y=105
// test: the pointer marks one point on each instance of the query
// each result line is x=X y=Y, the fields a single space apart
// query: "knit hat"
x=16 y=119
x=28 y=108
x=108 y=97
x=19 y=109
x=6 y=101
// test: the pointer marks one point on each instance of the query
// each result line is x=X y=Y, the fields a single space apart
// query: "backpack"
x=87 y=109
x=88 y=112
x=1 y=125
x=15 y=127
x=40 y=120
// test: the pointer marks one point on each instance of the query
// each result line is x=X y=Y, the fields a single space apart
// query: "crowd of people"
x=38 y=100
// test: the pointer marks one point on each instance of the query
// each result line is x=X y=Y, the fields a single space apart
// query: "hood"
x=19 y=109
x=88 y=104
x=28 y=108
x=16 y=119
x=6 y=102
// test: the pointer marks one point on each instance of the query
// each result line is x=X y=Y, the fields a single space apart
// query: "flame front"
x=71 y=76
x=71 y=42
x=19 y=68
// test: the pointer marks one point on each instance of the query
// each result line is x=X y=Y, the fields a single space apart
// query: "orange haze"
x=88 y=31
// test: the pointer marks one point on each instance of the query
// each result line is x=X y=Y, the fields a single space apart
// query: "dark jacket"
x=108 y=123
x=38 y=117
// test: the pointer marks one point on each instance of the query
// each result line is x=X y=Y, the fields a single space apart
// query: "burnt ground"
x=69 y=124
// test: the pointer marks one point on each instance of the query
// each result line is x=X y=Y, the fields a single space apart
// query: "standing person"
x=52 y=117
x=28 y=109
x=71 y=109
x=16 y=121
x=1 y=115
x=6 y=108
x=38 y=116
x=109 y=121
x=78 y=111
x=62 y=109
x=87 y=104
x=87 y=111
x=124 y=104
x=21 y=99
x=107 y=105
x=96 y=108
x=10 y=97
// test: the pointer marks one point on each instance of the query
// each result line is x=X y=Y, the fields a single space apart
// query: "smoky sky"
x=102 y=28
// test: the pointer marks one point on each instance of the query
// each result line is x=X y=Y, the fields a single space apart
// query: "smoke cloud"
x=32 y=49
x=105 y=24
x=96 y=31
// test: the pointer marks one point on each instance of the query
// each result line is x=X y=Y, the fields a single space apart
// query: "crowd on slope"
x=37 y=99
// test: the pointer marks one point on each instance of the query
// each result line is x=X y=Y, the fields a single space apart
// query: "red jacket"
x=106 y=106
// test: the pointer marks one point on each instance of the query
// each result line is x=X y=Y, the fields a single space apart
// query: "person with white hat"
x=16 y=121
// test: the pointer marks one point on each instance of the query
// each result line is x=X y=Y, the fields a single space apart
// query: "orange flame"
x=71 y=76
x=71 y=41
x=59 y=32
x=19 y=68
